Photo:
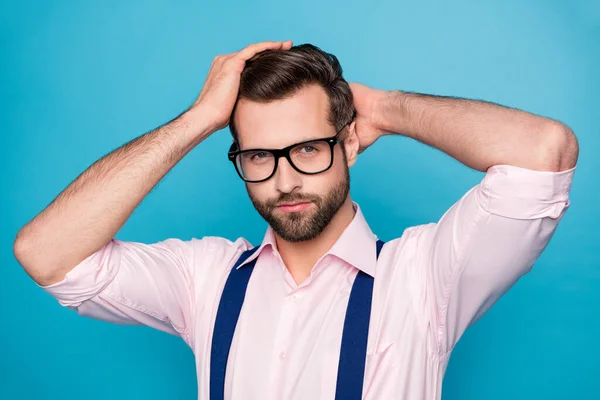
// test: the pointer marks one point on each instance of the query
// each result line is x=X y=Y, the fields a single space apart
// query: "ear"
x=351 y=144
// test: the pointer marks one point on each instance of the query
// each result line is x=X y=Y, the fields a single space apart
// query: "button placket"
x=282 y=342
x=295 y=297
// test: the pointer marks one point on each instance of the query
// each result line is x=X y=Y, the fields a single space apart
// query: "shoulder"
x=412 y=240
x=217 y=252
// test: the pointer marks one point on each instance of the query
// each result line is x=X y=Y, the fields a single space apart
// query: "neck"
x=301 y=257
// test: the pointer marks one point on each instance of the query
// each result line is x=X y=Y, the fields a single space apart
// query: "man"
x=328 y=310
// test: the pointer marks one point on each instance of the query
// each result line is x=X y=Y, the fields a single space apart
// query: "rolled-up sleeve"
x=487 y=240
x=136 y=283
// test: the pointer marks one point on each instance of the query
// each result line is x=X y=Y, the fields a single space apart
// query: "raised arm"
x=493 y=234
x=479 y=134
x=89 y=212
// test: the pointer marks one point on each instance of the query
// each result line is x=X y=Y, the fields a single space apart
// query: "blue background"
x=79 y=79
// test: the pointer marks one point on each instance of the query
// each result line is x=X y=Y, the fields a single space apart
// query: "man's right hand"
x=220 y=91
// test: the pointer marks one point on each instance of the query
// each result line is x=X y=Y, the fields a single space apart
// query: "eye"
x=308 y=149
x=259 y=155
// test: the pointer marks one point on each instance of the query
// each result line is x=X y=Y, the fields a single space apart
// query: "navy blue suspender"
x=353 y=352
x=228 y=313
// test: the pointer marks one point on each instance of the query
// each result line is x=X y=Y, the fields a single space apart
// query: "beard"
x=307 y=224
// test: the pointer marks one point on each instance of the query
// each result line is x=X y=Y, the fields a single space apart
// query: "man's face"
x=276 y=125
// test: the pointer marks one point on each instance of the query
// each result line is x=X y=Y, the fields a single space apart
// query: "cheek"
x=321 y=184
x=339 y=167
x=261 y=191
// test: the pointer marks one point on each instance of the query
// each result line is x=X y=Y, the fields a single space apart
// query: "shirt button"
x=294 y=297
x=282 y=355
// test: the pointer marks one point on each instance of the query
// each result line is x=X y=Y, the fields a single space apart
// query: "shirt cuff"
x=521 y=193
x=88 y=278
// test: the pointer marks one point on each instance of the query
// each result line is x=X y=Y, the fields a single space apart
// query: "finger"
x=255 y=48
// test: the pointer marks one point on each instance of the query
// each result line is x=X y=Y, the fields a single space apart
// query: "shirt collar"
x=356 y=245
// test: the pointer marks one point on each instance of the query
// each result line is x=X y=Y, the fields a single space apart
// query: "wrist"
x=196 y=123
x=388 y=112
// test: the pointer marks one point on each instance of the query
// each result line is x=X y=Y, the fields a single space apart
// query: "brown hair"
x=278 y=74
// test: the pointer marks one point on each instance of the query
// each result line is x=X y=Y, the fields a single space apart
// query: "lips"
x=294 y=207
x=292 y=204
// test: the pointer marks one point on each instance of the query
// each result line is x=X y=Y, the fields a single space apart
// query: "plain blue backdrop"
x=78 y=79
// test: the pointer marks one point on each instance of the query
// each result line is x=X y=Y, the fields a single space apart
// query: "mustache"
x=292 y=198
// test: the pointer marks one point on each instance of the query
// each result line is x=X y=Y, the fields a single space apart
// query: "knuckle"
x=231 y=62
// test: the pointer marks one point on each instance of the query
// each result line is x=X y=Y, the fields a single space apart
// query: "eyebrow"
x=292 y=144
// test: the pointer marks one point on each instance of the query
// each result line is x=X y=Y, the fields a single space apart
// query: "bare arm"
x=493 y=234
x=479 y=134
x=90 y=211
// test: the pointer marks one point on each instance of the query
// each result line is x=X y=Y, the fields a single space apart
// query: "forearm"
x=90 y=211
x=480 y=134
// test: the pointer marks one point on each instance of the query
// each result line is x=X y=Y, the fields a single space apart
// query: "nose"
x=287 y=179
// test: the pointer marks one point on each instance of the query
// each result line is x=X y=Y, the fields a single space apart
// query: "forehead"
x=277 y=124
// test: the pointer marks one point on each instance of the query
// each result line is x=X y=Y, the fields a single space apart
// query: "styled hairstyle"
x=278 y=74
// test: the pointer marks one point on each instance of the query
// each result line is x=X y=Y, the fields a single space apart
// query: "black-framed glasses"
x=309 y=157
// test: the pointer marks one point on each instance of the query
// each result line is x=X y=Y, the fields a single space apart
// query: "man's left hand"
x=369 y=104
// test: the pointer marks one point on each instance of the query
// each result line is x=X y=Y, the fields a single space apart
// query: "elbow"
x=23 y=253
x=560 y=149
x=20 y=248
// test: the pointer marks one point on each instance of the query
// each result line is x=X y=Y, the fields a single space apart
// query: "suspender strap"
x=353 y=353
x=228 y=313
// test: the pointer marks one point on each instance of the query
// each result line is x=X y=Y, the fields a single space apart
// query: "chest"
x=287 y=340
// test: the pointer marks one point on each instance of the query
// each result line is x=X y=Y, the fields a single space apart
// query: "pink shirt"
x=430 y=285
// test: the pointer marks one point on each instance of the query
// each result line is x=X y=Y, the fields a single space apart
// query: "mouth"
x=294 y=207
